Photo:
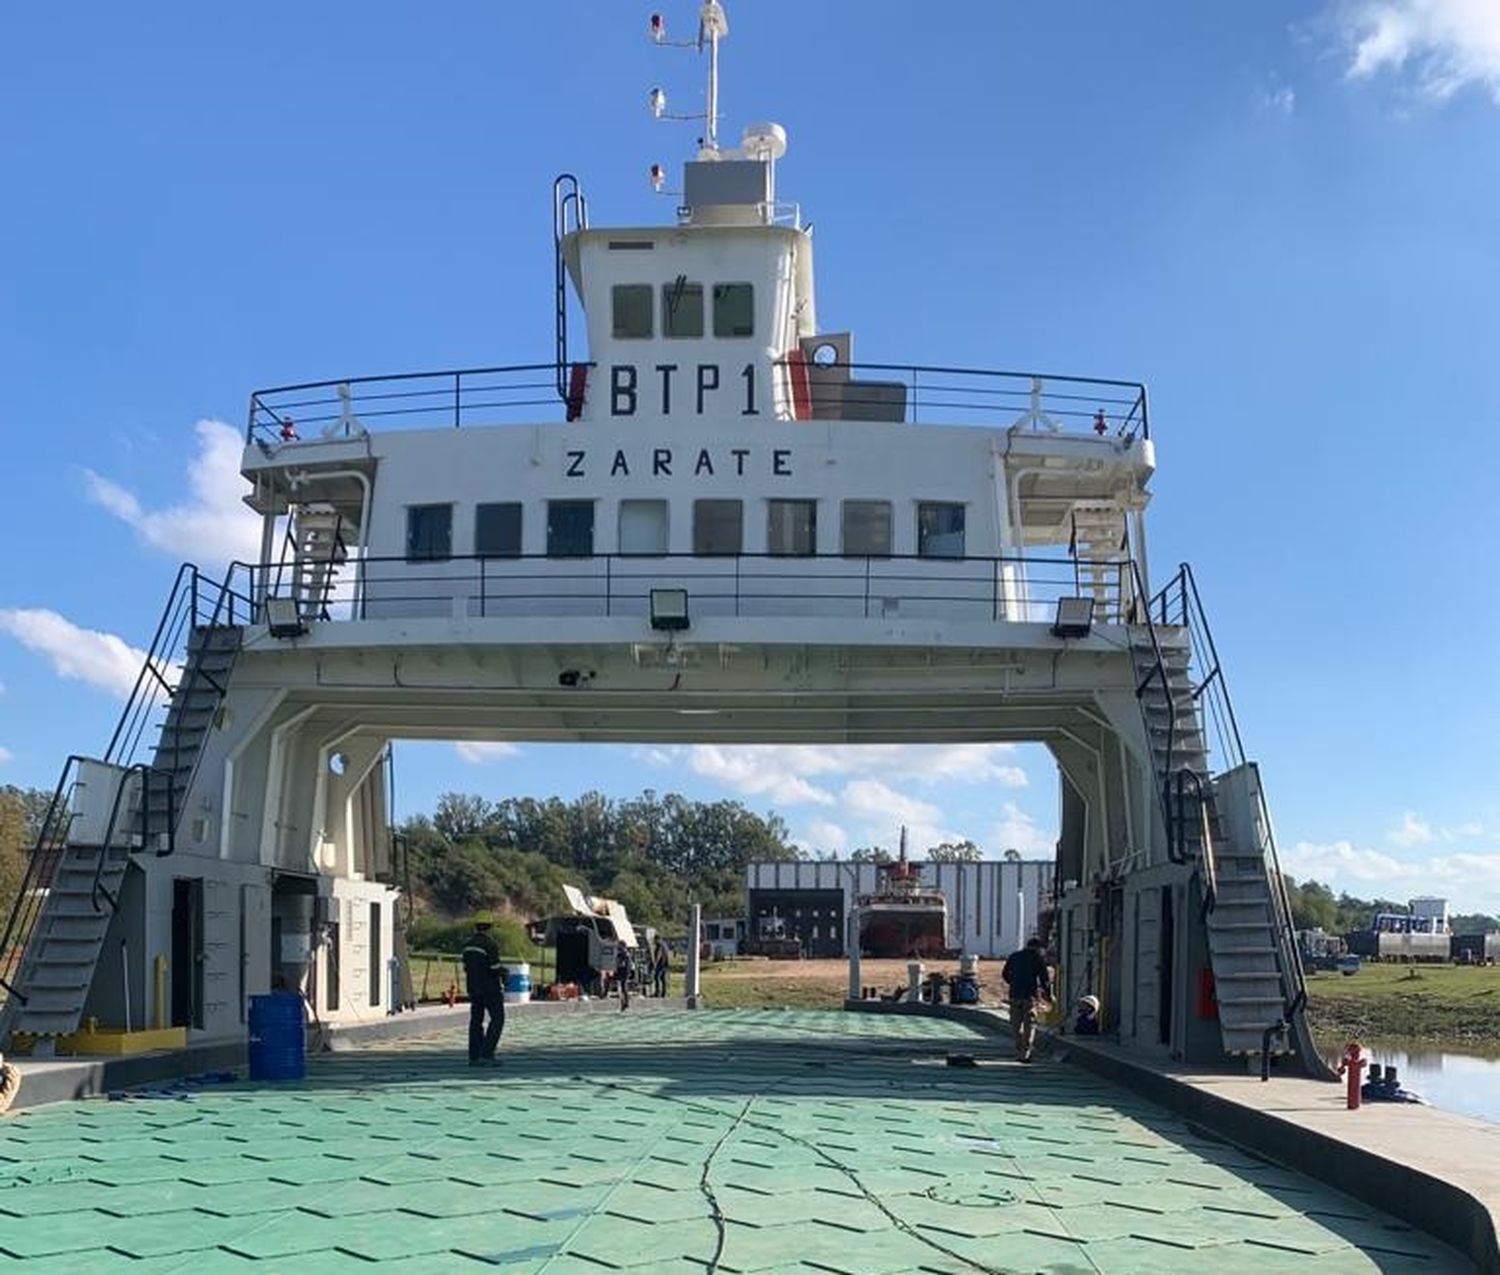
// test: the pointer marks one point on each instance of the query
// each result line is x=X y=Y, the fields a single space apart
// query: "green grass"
x=1449 y=1004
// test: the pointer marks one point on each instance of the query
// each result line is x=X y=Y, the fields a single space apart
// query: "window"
x=734 y=309
x=867 y=528
x=497 y=530
x=643 y=526
x=429 y=532
x=570 y=528
x=940 y=530
x=682 y=308
x=632 y=310
x=793 y=527
x=718 y=526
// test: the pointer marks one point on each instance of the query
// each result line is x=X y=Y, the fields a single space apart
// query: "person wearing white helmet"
x=1087 y=1022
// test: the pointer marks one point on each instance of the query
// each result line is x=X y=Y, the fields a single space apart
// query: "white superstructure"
x=713 y=524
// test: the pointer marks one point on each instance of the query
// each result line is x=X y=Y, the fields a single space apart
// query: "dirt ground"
x=823 y=983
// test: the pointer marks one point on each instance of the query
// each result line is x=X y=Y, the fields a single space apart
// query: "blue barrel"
x=518 y=983
x=278 y=1048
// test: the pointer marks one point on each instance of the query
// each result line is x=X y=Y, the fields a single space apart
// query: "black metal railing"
x=36 y=881
x=1044 y=402
x=173 y=666
x=1178 y=603
x=407 y=400
x=994 y=589
x=541 y=392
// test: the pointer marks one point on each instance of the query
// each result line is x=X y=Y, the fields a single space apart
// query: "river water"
x=1466 y=1083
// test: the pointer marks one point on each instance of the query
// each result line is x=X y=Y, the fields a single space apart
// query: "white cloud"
x=758 y=770
x=84 y=655
x=213 y=525
x=786 y=772
x=1019 y=831
x=478 y=751
x=1442 y=45
x=6 y=755
x=1412 y=832
x=1468 y=880
x=822 y=835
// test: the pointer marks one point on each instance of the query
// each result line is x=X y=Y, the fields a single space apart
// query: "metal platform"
x=767 y=1141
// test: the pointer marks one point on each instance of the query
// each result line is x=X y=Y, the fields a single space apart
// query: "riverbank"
x=1432 y=1004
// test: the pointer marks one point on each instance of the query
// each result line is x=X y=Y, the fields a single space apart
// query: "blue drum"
x=278 y=1037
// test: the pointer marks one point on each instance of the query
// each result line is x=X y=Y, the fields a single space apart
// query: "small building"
x=723 y=937
x=993 y=905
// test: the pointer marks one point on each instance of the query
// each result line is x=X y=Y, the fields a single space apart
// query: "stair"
x=58 y=966
x=1244 y=948
x=1098 y=549
x=319 y=549
x=190 y=716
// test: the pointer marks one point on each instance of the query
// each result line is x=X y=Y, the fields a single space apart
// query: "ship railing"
x=541 y=393
x=526 y=392
x=1179 y=603
x=1030 y=402
x=1009 y=589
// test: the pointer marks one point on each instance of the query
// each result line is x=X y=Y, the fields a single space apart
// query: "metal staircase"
x=57 y=967
x=105 y=810
x=320 y=551
x=1100 y=551
x=1252 y=949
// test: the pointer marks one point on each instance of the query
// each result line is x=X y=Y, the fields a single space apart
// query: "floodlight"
x=1075 y=617
x=669 y=608
x=284 y=618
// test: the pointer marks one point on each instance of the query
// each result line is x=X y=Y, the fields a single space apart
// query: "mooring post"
x=695 y=940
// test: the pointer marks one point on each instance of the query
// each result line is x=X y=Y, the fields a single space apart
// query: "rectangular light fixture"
x=1075 y=617
x=284 y=618
x=669 y=609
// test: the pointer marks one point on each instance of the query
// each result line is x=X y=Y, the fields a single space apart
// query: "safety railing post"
x=457 y=399
x=608 y=586
x=867 y=588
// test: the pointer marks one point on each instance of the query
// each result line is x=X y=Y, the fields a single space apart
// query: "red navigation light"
x=658 y=28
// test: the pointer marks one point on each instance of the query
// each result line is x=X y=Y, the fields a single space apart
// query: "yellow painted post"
x=161 y=993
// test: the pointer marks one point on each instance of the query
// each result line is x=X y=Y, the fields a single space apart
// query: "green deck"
x=768 y=1141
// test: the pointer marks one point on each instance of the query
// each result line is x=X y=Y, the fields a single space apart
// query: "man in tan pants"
x=1025 y=973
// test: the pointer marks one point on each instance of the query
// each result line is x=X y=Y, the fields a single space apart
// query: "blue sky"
x=1281 y=216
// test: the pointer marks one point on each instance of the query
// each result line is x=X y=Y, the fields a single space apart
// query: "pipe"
x=695 y=939
x=125 y=979
x=1274 y=1030
x=161 y=993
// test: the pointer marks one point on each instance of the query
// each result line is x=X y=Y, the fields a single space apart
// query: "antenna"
x=713 y=26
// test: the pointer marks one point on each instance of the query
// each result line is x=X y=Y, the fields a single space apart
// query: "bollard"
x=914 y=982
x=1353 y=1067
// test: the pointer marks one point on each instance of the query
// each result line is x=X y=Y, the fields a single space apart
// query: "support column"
x=695 y=941
x=856 y=987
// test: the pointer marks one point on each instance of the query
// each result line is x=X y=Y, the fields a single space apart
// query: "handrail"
x=26 y=906
x=98 y=887
x=1179 y=602
x=450 y=396
x=1141 y=612
x=1210 y=866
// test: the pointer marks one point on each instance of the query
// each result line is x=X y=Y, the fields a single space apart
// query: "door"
x=1146 y=979
x=187 y=952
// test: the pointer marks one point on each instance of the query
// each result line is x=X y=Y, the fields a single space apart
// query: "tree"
x=954 y=852
x=460 y=815
x=871 y=854
x=1012 y=855
x=13 y=842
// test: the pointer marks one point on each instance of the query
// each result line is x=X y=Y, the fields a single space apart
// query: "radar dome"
x=764 y=141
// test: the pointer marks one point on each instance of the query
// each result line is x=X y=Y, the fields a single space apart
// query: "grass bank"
x=1437 y=1004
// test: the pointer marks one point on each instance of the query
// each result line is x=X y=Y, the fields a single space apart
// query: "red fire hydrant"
x=1352 y=1066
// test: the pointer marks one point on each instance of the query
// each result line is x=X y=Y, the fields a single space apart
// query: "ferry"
x=702 y=520
x=903 y=917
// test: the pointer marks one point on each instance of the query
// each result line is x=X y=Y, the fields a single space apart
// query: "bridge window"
x=497 y=530
x=429 y=533
x=867 y=528
x=570 y=528
x=643 y=526
x=632 y=310
x=718 y=526
x=940 y=530
x=793 y=528
x=734 y=309
x=681 y=308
